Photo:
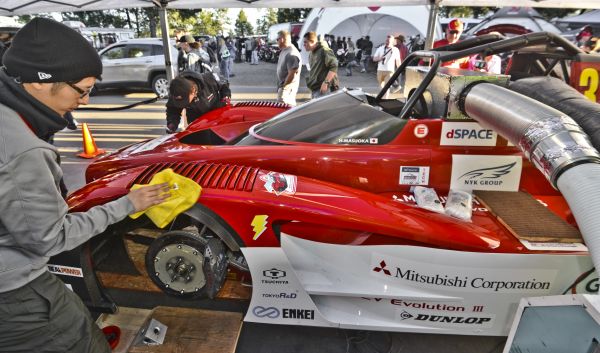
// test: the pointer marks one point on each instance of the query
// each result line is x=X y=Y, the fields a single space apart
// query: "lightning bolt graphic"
x=259 y=225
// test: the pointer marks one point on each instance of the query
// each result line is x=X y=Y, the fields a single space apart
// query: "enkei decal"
x=279 y=183
x=65 y=270
x=270 y=312
x=259 y=225
x=414 y=175
x=442 y=319
x=421 y=131
x=467 y=134
x=488 y=280
x=484 y=172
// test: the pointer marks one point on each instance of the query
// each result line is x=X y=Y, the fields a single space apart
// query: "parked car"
x=136 y=63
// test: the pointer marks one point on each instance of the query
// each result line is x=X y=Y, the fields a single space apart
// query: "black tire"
x=160 y=85
x=185 y=265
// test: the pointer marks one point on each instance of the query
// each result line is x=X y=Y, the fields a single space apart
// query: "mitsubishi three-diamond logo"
x=381 y=267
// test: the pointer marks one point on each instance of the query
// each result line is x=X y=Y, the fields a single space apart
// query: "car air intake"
x=207 y=175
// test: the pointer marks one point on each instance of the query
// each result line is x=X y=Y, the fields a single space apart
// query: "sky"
x=252 y=14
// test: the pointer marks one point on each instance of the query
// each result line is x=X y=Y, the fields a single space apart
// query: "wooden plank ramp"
x=188 y=330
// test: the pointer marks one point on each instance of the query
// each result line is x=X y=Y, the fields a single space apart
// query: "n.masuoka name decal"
x=485 y=280
x=477 y=172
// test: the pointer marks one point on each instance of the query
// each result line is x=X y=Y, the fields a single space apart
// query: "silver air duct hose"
x=553 y=142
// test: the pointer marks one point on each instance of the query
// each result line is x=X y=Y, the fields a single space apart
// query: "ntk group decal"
x=279 y=183
x=484 y=172
x=444 y=319
x=467 y=134
x=468 y=279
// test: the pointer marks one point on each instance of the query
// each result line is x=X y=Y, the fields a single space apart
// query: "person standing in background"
x=288 y=69
x=367 y=50
x=388 y=59
x=322 y=76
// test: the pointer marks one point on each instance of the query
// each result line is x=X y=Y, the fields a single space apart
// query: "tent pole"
x=434 y=8
x=164 y=26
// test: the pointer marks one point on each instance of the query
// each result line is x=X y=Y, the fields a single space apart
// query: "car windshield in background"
x=340 y=119
x=530 y=23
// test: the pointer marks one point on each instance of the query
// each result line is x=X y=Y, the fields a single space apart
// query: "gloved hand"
x=171 y=128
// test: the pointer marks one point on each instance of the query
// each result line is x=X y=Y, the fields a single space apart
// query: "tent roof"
x=21 y=7
x=588 y=17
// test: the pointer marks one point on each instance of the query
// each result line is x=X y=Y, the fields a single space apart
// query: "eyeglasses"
x=82 y=93
x=453 y=32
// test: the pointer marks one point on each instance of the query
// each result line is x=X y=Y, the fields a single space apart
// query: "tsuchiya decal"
x=65 y=270
x=274 y=276
x=414 y=175
x=444 y=319
x=466 y=134
x=483 y=280
x=359 y=141
x=421 y=131
x=410 y=199
x=279 y=183
x=479 y=172
x=259 y=225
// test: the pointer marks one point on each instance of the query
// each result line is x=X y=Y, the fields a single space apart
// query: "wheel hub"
x=179 y=267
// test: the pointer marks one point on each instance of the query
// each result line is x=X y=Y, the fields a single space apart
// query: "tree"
x=292 y=15
x=242 y=26
x=269 y=19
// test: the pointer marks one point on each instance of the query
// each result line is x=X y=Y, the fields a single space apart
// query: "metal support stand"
x=431 y=24
x=164 y=26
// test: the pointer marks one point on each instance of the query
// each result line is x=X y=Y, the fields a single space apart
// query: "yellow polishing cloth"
x=184 y=194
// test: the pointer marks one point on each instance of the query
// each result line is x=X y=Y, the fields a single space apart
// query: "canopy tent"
x=23 y=7
x=591 y=18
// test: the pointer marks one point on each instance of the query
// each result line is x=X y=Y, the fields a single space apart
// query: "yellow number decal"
x=589 y=78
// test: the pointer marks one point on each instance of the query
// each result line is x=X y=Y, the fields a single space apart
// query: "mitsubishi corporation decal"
x=444 y=319
x=480 y=280
x=279 y=183
x=485 y=172
x=414 y=175
x=466 y=134
x=588 y=283
x=65 y=270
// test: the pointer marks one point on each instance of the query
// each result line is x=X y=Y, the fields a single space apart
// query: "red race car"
x=332 y=205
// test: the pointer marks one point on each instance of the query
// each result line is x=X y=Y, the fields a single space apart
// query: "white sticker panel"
x=486 y=172
x=467 y=134
x=414 y=175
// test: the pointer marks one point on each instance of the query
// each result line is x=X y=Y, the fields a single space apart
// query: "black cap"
x=179 y=92
x=48 y=51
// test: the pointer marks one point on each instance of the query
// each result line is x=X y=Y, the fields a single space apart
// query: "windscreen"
x=340 y=118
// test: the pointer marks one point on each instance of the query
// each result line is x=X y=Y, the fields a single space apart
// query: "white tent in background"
x=376 y=22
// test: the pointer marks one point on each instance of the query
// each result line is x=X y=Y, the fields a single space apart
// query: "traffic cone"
x=89 y=145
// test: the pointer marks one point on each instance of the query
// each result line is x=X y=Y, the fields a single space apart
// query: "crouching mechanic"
x=197 y=94
x=49 y=71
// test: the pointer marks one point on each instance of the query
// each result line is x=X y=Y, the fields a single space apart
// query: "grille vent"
x=262 y=104
x=207 y=175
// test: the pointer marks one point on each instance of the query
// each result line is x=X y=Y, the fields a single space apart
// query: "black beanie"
x=48 y=51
